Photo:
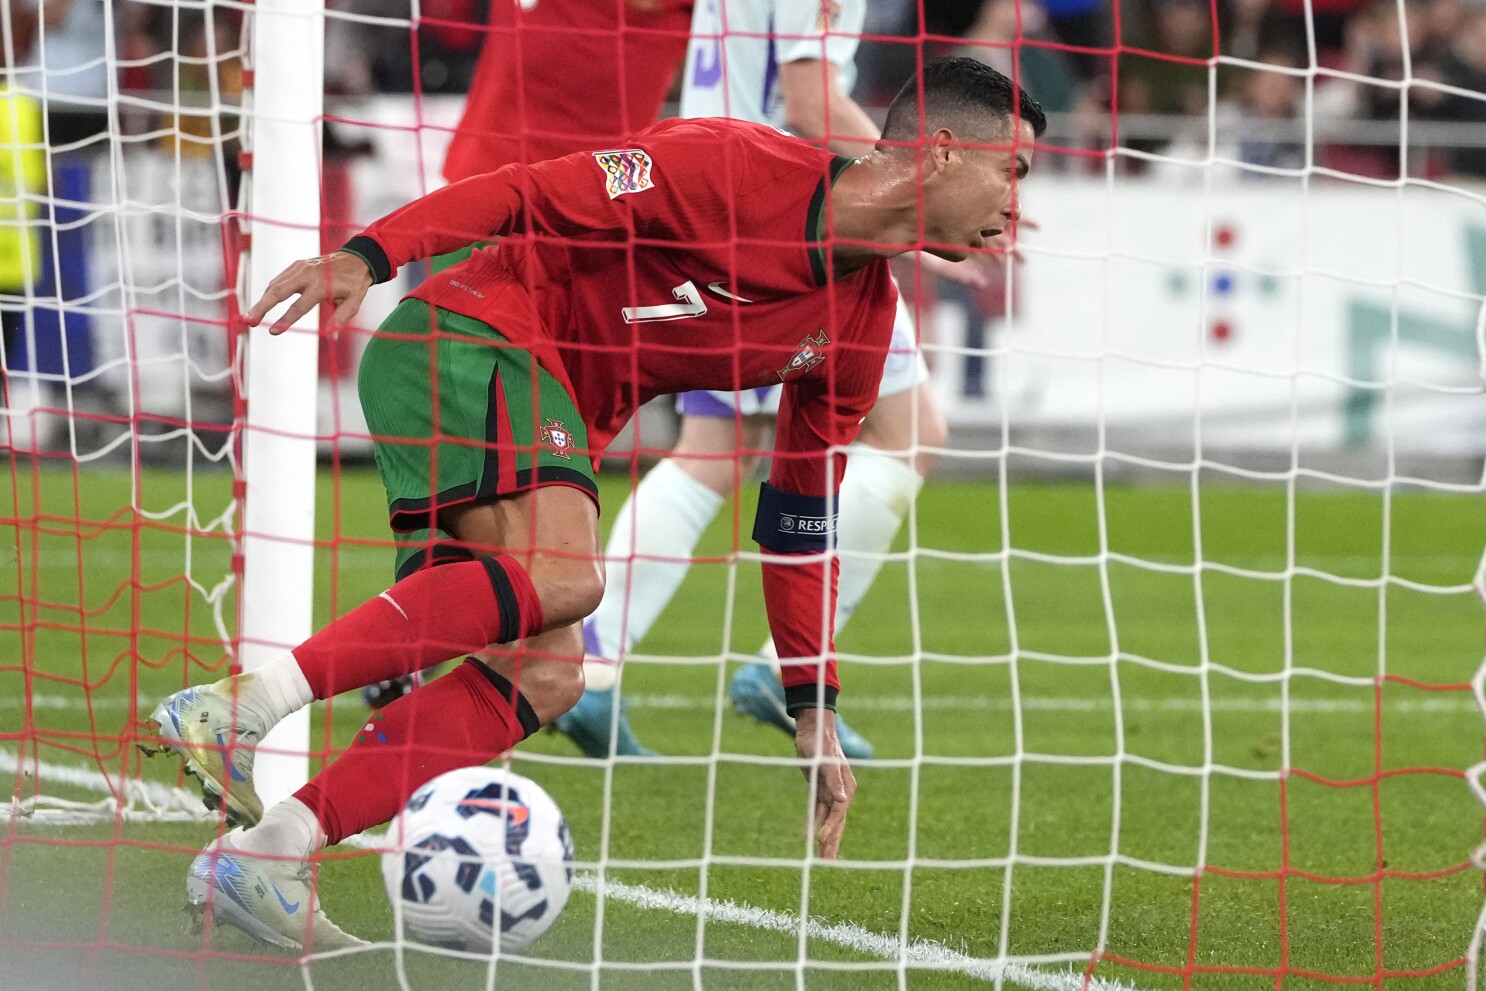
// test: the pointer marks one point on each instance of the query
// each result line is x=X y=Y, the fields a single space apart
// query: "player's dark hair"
x=957 y=91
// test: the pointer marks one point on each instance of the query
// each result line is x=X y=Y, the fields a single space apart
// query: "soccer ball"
x=479 y=854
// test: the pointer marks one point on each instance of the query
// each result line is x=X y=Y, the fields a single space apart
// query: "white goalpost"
x=281 y=374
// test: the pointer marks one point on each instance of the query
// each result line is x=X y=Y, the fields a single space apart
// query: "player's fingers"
x=832 y=826
x=272 y=296
x=290 y=282
x=348 y=307
x=306 y=303
x=835 y=793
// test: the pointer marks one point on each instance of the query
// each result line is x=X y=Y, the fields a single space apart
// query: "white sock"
x=287 y=829
x=876 y=494
x=271 y=692
x=599 y=674
x=649 y=553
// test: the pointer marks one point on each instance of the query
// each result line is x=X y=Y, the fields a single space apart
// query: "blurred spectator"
x=1295 y=20
x=22 y=177
x=1388 y=42
x=1173 y=77
x=1083 y=25
x=1375 y=41
x=1269 y=97
x=1011 y=36
x=1465 y=67
x=1246 y=27
x=363 y=56
x=67 y=68
x=1249 y=129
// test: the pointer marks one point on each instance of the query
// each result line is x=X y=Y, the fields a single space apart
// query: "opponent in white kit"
x=788 y=63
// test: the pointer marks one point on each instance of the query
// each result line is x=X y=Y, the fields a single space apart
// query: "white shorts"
x=903 y=370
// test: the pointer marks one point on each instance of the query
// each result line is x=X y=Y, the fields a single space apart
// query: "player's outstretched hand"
x=831 y=782
x=342 y=278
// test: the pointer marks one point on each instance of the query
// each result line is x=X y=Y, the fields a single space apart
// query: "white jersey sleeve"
x=829 y=31
x=737 y=46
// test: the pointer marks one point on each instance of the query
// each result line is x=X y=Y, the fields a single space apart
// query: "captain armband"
x=788 y=523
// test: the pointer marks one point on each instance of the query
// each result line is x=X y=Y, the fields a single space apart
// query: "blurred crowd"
x=1141 y=79
x=1137 y=74
x=1181 y=90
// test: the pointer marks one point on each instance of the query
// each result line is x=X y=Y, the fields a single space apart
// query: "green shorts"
x=458 y=414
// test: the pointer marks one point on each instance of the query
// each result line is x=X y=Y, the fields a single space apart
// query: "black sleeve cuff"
x=797 y=697
x=369 y=251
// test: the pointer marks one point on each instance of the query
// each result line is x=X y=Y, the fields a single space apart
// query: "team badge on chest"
x=627 y=171
x=556 y=436
x=812 y=352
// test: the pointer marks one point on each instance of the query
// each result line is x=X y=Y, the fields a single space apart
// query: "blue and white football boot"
x=595 y=723
x=216 y=737
x=268 y=898
x=756 y=692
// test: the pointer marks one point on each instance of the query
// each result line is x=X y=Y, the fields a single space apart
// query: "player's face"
x=972 y=197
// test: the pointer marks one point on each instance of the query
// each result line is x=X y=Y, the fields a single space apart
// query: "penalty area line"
x=918 y=954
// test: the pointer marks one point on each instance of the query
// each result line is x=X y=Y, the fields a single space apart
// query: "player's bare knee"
x=721 y=452
x=570 y=589
x=932 y=430
x=546 y=669
x=715 y=473
x=933 y=434
x=748 y=463
x=553 y=686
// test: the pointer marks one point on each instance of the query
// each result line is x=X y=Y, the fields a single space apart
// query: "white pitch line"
x=156 y=797
x=918 y=954
x=1056 y=703
x=1444 y=703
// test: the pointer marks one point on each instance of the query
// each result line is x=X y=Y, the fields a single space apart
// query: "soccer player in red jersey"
x=710 y=254
x=559 y=76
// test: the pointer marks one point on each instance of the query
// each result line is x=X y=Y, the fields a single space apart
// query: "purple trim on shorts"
x=591 y=639
x=702 y=403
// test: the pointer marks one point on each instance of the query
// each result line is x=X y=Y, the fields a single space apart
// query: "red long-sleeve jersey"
x=692 y=259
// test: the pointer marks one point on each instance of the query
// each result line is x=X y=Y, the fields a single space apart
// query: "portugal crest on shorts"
x=812 y=352
x=556 y=436
x=627 y=171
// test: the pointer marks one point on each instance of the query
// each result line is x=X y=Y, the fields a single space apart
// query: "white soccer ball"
x=479 y=854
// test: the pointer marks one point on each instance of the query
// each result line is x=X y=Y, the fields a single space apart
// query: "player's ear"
x=942 y=148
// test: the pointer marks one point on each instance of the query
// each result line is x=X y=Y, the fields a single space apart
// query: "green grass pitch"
x=1092 y=718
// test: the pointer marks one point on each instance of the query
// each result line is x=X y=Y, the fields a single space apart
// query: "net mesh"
x=1167 y=671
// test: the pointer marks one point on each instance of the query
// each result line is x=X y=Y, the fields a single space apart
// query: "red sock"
x=428 y=617
x=468 y=717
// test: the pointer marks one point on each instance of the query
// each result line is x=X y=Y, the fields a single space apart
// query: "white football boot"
x=269 y=899
x=216 y=737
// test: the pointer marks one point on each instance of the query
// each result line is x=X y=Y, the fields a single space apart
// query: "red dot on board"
x=1222 y=331
x=1223 y=236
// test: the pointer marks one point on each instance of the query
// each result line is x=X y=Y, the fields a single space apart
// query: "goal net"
x=1167 y=673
